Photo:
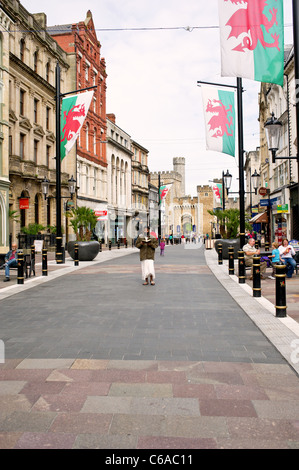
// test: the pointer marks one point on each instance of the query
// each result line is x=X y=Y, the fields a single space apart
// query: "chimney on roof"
x=111 y=118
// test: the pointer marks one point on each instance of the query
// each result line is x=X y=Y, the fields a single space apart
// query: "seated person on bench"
x=249 y=251
x=10 y=261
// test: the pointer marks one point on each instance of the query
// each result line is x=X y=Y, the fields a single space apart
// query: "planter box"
x=226 y=243
x=87 y=250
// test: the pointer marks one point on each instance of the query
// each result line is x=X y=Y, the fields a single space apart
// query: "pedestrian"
x=275 y=258
x=162 y=247
x=147 y=246
x=249 y=251
x=286 y=253
x=10 y=261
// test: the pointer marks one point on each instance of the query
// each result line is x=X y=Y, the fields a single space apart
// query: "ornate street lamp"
x=45 y=187
x=71 y=183
x=227 y=178
x=273 y=131
x=255 y=179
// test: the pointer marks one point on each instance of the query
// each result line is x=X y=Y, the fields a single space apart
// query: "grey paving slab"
x=102 y=311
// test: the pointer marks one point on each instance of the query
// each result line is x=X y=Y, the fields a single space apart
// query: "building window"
x=48 y=153
x=22 y=102
x=35 y=58
x=22 y=49
x=35 y=110
x=87 y=137
x=95 y=141
x=87 y=73
x=36 y=219
x=22 y=146
x=35 y=150
x=47 y=71
x=48 y=118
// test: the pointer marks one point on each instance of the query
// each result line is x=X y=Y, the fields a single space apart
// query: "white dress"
x=147 y=268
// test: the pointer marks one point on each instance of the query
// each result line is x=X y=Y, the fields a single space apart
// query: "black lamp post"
x=226 y=184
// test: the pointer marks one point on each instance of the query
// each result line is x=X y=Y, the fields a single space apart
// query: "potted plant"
x=83 y=220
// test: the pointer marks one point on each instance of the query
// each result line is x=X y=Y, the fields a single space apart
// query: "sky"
x=155 y=53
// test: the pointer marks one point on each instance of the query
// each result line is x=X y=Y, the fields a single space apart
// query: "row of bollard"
x=20 y=278
x=280 y=277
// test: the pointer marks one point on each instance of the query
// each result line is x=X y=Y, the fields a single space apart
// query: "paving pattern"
x=95 y=360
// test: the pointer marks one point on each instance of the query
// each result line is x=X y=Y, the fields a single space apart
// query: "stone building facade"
x=119 y=156
x=6 y=24
x=87 y=69
x=32 y=60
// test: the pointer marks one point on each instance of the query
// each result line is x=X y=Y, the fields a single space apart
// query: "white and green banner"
x=219 y=114
x=73 y=113
x=164 y=190
x=217 y=192
x=252 y=39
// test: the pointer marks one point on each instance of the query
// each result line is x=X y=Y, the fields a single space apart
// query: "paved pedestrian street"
x=96 y=360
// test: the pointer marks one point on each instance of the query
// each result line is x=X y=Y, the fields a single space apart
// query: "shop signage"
x=263 y=191
x=24 y=202
x=264 y=202
x=101 y=215
x=282 y=208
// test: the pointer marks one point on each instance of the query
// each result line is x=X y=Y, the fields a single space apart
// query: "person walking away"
x=286 y=253
x=275 y=258
x=147 y=245
x=249 y=251
x=10 y=261
x=162 y=247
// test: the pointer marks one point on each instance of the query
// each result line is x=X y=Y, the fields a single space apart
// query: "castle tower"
x=179 y=167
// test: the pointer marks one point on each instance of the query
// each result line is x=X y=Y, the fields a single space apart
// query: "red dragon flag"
x=219 y=114
x=73 y=113
x=164 y=190
x=217 y=192
x=252 y=39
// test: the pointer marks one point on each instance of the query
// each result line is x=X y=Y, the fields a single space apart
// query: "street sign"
x=263 y=191
x=282 y=208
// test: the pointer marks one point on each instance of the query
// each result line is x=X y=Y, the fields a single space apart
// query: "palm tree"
x=83 y=222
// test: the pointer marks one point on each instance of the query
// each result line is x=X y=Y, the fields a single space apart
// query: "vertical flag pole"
x=296 y=65
x=59 y=257
x=241 y=162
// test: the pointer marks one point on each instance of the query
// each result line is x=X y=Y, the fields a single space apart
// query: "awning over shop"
x=259 y=219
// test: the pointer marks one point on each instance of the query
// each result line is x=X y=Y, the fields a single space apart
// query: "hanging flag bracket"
x=76 y=91
x=217 y=84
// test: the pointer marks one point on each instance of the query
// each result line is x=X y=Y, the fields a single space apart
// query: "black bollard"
x=267 y=246
x=100 y=247
x=280 y=281
x=241 y=258
x=118 y=244
x=44 y=262
x=126 y=244
x=76 y=254
x=220 y=259
x=21 y=268
x=231 y=263
x=256 y=244
x=110 y=243
x=256 y=273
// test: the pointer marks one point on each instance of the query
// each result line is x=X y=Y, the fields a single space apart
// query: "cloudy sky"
x=155 y=53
